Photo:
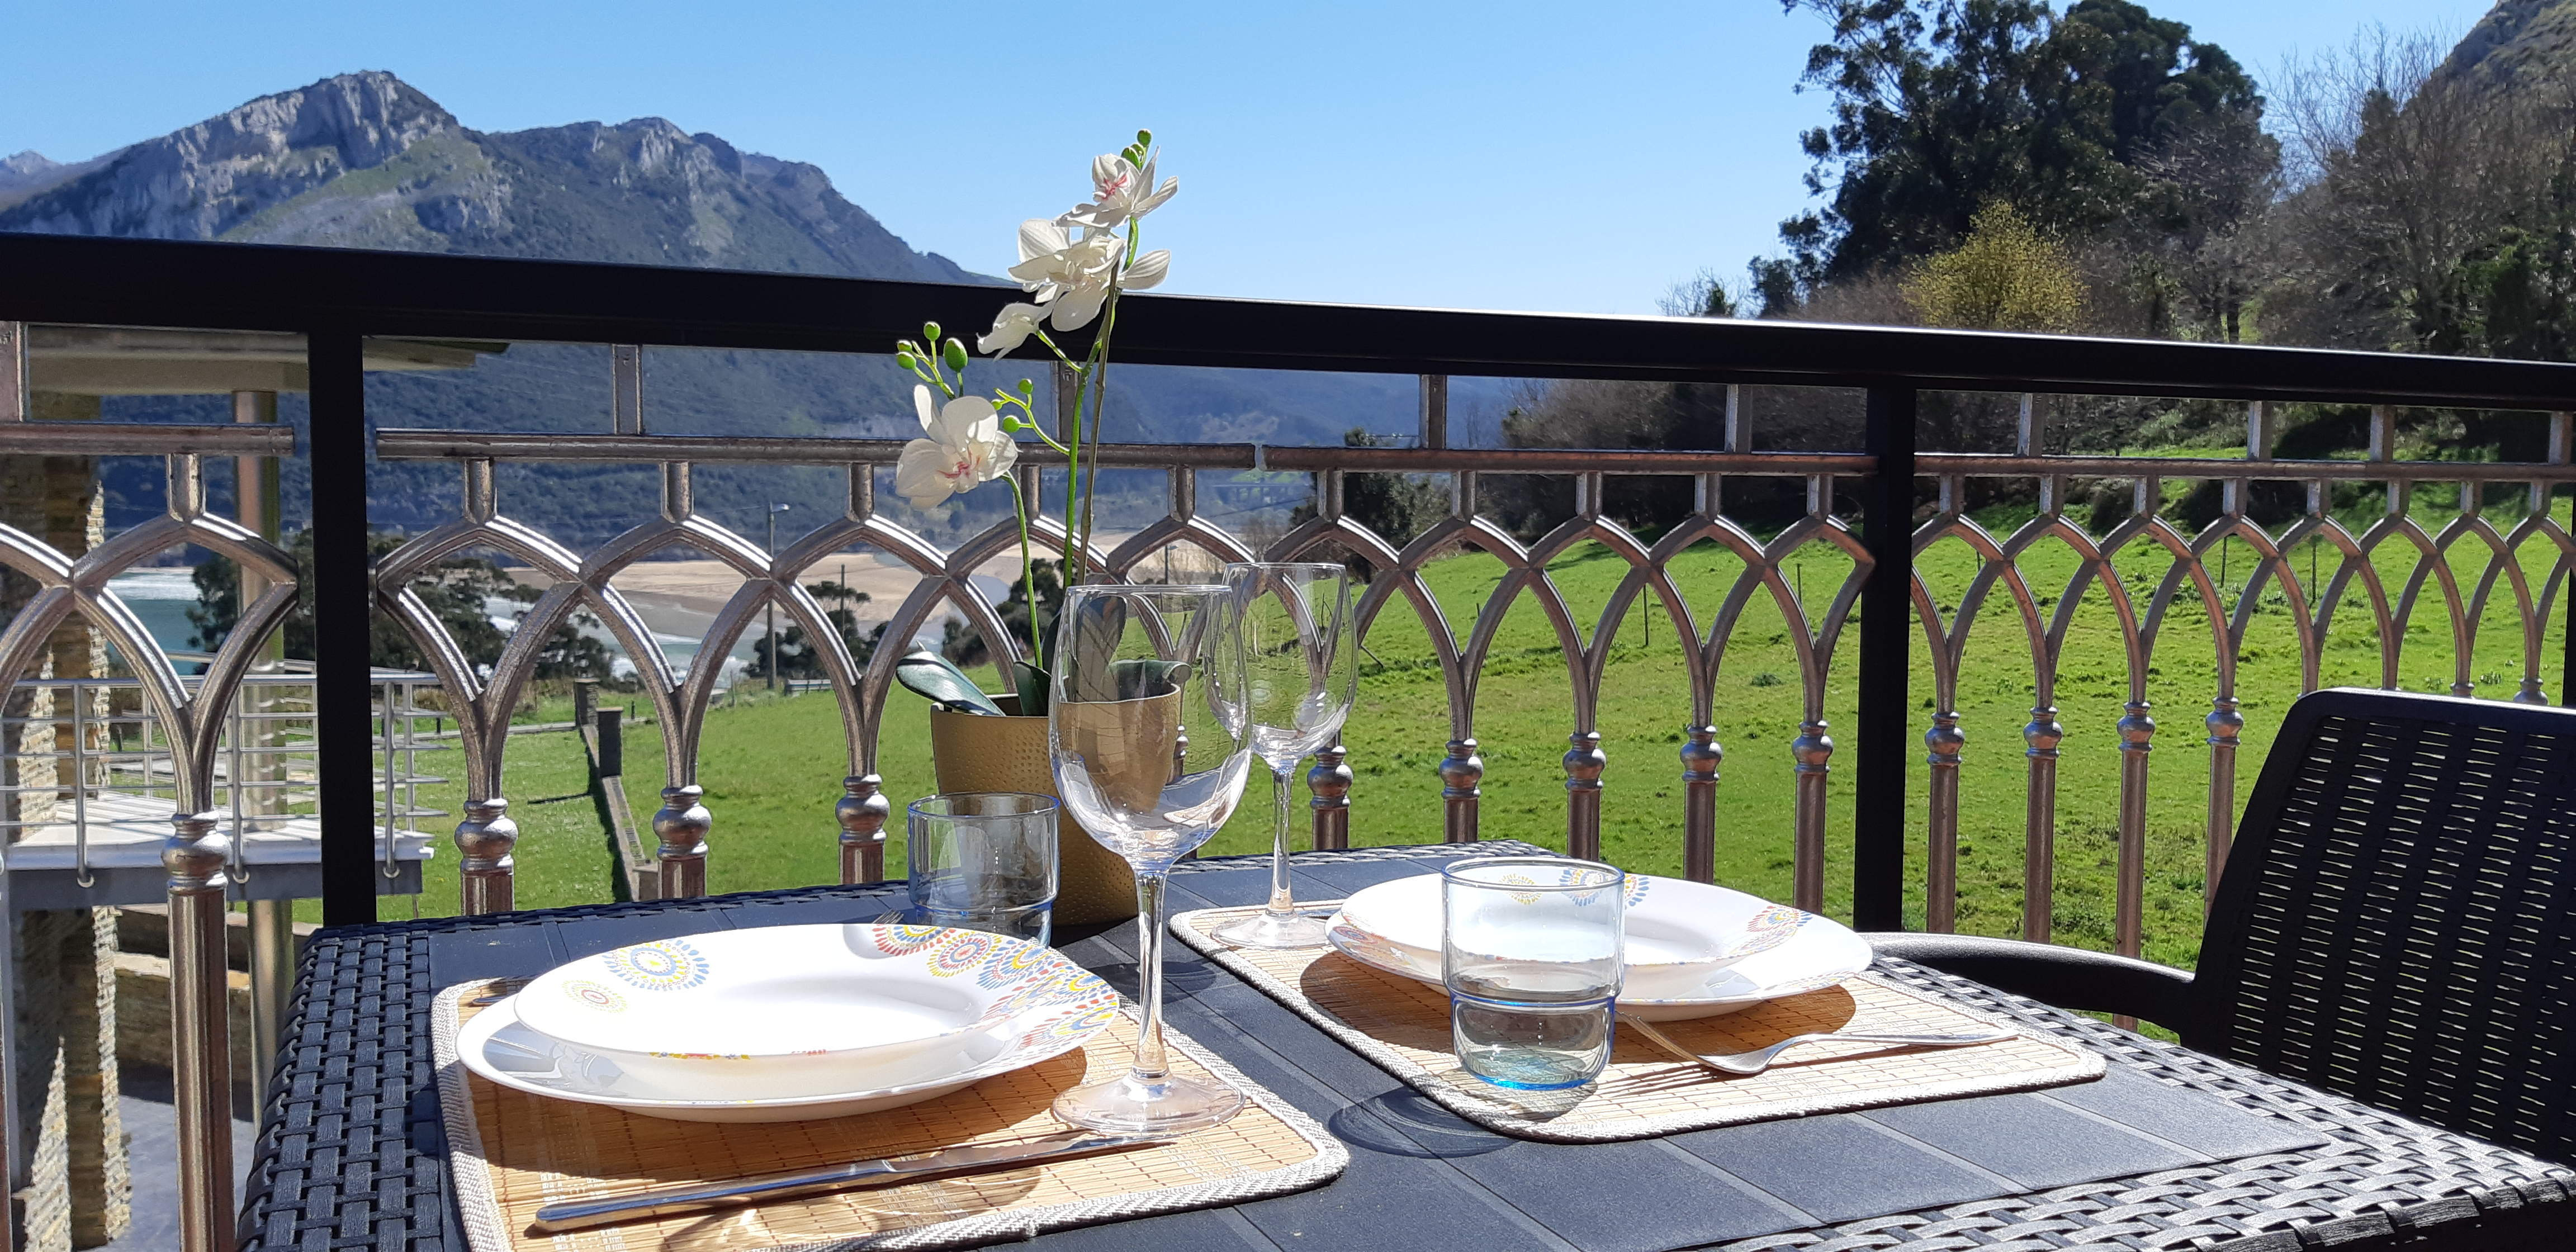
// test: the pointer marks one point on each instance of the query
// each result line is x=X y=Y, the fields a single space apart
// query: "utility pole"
x=769 y=609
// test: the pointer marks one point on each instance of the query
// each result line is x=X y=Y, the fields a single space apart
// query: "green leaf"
x=931 y=676
x=1033 y=689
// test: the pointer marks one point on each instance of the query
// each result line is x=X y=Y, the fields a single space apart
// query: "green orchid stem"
x=1098 y=378
x=1028 y=580
x=1071 y=448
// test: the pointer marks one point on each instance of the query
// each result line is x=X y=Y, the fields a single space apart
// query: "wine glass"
x=1301 y=659
x=1147 y=735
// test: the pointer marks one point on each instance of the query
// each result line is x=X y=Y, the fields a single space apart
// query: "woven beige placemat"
x=512 y=1152
x=1403 y=1025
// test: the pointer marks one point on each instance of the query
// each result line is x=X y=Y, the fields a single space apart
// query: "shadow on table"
x=1404 y=1122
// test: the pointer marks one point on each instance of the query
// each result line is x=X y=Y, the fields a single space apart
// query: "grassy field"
x=772 y=767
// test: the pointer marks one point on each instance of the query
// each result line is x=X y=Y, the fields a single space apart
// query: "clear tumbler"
x=984 y=860
x=1532 y=950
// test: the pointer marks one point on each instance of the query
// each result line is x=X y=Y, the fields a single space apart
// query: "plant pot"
x=972 y=752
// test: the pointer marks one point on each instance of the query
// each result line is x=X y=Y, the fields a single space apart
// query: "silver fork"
x=1760 y=1059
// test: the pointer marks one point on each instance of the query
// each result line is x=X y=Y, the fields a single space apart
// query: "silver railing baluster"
x=1813 y=753
x=1460 y=773
x=1583 y=765
x=1329 y=783
x=2137 y=731
x=682 y=826
x=200 y=1030
x=2041 y=735
x=2225 y=724
x=1941 y=746
x=862 y=812
x=484 y=843
x=1701 y=757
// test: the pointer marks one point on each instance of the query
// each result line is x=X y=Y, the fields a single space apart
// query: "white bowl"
x=789 y=1011
x=1814 y=954
x=505 y=1050
x=1679 y=933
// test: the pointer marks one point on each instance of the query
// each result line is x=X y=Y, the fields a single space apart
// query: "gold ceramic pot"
x=973 y=752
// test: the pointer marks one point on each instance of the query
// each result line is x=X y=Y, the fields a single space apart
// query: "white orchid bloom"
x=1070 y=276
x=963 y=446
x=1011 y=328
x=1149 y=270
x=1120 y=192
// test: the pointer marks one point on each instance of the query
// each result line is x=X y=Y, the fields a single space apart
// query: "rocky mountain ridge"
x=2516 y=38
x=366 y=160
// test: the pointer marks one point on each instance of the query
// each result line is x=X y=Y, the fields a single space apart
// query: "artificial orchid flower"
x=1070 y=276
x=963 y=446
x=1011 y=328
x=1120 y=192
x=1147 y=271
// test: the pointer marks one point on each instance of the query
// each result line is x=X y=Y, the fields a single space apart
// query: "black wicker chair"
x=2397 y=922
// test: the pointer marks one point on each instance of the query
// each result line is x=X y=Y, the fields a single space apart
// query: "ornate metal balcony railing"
x=338 y=299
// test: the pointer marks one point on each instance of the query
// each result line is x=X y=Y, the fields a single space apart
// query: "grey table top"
x=2169 y=1149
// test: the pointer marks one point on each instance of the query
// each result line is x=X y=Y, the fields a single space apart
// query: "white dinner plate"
x=1680 y=933
x=499 y=1046
x=1815 y=954
x=786 y=1011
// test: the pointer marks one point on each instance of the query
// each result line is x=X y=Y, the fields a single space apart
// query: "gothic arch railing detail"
x=2170 y=576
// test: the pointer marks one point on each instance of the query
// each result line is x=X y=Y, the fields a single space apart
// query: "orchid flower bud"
x=956 y=354
x=1028 y=388
x=930 y=331
x=904 y=359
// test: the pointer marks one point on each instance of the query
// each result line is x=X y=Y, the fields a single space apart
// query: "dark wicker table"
x=2170 y=1150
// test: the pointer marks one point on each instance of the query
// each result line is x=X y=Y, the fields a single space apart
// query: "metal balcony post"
x=862 y=813
x=1885 y=743
x=1329 y=782
x=343 y=598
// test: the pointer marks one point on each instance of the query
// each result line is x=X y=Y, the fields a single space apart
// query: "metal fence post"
x=862 y=812
x=1329 y=782
x=343 y=598
x=1885 y=741
x=200 y=1036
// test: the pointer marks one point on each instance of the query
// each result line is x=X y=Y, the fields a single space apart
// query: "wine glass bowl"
x=1301 y=664
x=1147 y=732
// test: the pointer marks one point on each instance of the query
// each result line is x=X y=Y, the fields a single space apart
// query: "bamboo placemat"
x=1403 y=1025
x=512 y=1152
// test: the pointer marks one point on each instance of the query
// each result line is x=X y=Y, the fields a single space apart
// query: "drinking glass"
x=984 y=860
x=1532 y=949
x=1147 y=735
x=1301 y=657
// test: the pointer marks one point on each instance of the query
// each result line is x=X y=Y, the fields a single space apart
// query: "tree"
x=2005 y=275
x=2432 y=211
x=796 y=655
x=960 y=643
x=1394 y=507
x=1944 y=106
x=458 y=591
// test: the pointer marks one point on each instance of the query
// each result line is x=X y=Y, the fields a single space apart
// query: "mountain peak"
x=26 y=163
x=366 y=160
x=201 y=181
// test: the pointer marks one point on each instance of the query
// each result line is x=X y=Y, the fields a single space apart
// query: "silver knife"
x=884 y=1172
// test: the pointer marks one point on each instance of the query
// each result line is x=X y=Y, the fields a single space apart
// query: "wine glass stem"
x=1282 y=902
x=1150 y=1064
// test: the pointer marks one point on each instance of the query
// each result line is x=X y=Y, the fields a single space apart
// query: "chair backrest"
x=2397 y=921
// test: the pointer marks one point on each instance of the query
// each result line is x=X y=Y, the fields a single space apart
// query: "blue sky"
x=1494 y=154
